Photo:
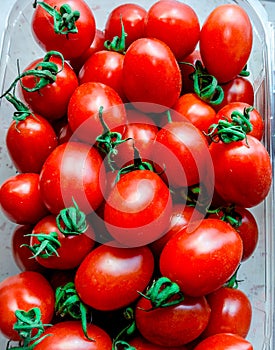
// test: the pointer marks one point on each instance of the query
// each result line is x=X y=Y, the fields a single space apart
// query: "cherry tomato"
x=224 y=341
x=109 y=278
x=229 y=30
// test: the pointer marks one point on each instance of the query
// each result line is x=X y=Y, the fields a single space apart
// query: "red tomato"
x=24 y=291
x=151 y=75
x=210 y=251
x=173 y=325
x=109 y=277
x=69 y=335
x=170 y=21
x=20 y=199
x=140 y=343
x=30 y=142
x=224 y=341
x=71 y=44
x=84 y=107
x=229 y=30
x=73 y=170
x=138 y=209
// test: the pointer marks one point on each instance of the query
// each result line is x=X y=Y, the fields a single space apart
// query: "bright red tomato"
x=24 y=291
x=210 y=251
x=229 y=30
x=69 y=44
x=109 y=278
x=224 y=341
x=170 y=21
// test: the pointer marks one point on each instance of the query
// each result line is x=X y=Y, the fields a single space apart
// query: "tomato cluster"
x=138 y=154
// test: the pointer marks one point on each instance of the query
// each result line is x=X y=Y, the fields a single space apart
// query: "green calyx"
x=22 y=111
x=47 y=246
x=119 y=342
x=118 y=43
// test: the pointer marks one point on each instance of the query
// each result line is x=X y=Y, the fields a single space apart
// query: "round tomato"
x=224 y=341
x=109 y=278
x=229 y=30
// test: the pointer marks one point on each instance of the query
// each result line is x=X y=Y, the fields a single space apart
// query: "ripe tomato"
x=210 y=251
x=151 y=75
x=224 y=341
x=24 y=291
x=71 y=44
x=138 y=209
x=109 y=277
x=73 y=170
x=229 y=30
x=139 y=343
x=170 y=21
x=69 y=335
x=21 y=200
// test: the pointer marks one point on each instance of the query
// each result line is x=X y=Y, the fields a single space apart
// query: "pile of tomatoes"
x=138 y=154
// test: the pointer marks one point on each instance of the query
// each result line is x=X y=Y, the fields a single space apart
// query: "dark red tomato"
x=65 y=134
x=170 y=21
x=24 y=291
x=104 y=67
x=72 y=44
x=255 y=117
x=151 y=75
x=132 y=16
x=187 y=70
x=29 y=142
x=231 y=181
x=229 y=30
x=224 y=341
x=138 y=208
x=210 y=250
x=231 y=312
x=73 y=170
x=109 y=278
x=198 y=112
x=69 y=335
x=139 y=343
x=51 y=101
x=174 y=325
x=72 y=250
x=20 y=199
x=84 y=107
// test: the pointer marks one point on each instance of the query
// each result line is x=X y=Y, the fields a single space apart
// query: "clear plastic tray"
x=258 y=272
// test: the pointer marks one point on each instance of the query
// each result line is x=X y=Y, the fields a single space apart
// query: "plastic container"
x=258 y=272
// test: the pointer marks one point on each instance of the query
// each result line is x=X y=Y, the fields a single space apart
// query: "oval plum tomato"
x=21 y=200
x=236 y=186
x=51 y=101
x=229 y=30
x=231 y=312
x=139 y=343
x=69 y=335
x=84 y=107
x=210 y=252
x=71 y=43
x=138 y=209
x=104 y=67
x=29 y=142
x=24 y=291
x=132 y=16
x=109 y=277
x=254 y=115
x=151 y=75
x=71 y=250
x=173 y=325
x=224 y=341
x=73 y=170
x=170 y=21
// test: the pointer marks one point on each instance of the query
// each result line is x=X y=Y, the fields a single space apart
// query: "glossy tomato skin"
x=30 y=142
x=72 y=44
x=73 y=170
x=138 y=208
x=110 y=277
x=24 y=291
x=174 y=325
x=170 y=21
x=151 y=75
x=69 y=335
x=140 y=343
x=21 y=200
x=231 y=181
x=210 y=252
x=224 y=341
x=229 y=30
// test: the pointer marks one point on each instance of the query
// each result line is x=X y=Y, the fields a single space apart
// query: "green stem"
x=128 y=331
x=22 y=111
x=118 y=43
x=47 y=246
